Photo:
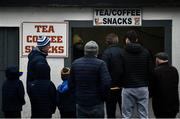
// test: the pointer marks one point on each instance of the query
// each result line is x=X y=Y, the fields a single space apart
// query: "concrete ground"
x=151 y=114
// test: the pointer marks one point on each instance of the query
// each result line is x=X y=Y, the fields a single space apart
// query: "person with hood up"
x=66 y=98
x=90 y=80
x=37 y=55
x=42 y=93
x=12 y=93
x=138 y=73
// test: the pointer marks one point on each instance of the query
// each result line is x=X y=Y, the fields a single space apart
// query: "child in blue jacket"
x=65 y=97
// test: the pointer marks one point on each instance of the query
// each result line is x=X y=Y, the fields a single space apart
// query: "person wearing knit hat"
x=91 y=49
x=43 y=44
x=90 y=80
x=65 y=98
x=36 y=56
x=165 y=95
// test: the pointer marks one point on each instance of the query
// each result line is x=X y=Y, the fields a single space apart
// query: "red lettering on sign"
x=45 y=28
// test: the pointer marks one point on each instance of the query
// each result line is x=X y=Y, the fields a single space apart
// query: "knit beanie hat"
x=162 y=56
x=65 y=72
x=91 y=49
x=43 y=41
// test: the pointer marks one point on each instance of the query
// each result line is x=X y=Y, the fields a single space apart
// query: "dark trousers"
x=114 y=97
x=69 y=114
x=12 y=114
x=96 y=111
x=165 y=115
x=40 y=115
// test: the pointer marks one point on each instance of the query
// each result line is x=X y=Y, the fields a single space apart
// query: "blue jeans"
x=96 y=111
x=132 y=97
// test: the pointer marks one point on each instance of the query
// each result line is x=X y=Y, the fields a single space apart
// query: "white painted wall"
x=13 y=17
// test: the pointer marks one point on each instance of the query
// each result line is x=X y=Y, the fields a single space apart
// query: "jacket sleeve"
x=106 y=58
x=53 y=96
x=105 y=80
x=21 y=92
x=71 y=81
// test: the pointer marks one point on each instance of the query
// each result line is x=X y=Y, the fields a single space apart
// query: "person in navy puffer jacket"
x=42 y=93
x=66 y=98
x=90 y=80
x=12 y=93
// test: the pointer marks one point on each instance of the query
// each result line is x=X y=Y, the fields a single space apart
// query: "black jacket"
x=90 y=80
x=113 y=58
x=138 y=66
x=42 y=91
x=65 y=99
x=12 y=93
x=35 y=57
x=165 y=89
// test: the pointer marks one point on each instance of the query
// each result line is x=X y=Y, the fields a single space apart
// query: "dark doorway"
x=154 y=34
x=9 y=52
x=151 y=37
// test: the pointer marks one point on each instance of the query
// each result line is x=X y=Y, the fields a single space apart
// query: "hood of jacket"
x=133 y=48
x=12 y=73
x=35 y=51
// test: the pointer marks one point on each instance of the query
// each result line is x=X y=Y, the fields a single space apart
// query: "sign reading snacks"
x=117 y=17
x=57 y=32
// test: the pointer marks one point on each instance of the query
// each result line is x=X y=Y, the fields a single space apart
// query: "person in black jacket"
x=113 y=58
x=165 y=98
x=66 y=98
x=37 y=55
x=90 y=80
x=12 y=93
x=138 y=73
x=42 y=93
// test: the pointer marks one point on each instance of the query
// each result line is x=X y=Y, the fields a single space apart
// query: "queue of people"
x=122 y=75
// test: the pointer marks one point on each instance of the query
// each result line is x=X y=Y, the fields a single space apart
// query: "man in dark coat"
x=12 y=93
x=138 y=71
x=42 y=93
x=113 y=58
x=90 y=80
x=37 y=55
x=165 y=98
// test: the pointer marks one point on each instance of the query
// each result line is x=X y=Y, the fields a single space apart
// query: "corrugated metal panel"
x=91 y=3
x=9 y=52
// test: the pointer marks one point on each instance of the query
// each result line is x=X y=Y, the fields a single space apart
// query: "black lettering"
x=124 y=20
x=129 y=21
x=104 y=21
x=119 y=21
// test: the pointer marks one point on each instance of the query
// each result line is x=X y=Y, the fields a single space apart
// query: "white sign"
x=57 y=32
x=117 y=17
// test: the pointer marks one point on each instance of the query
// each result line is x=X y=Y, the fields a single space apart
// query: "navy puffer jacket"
x=90 y=80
